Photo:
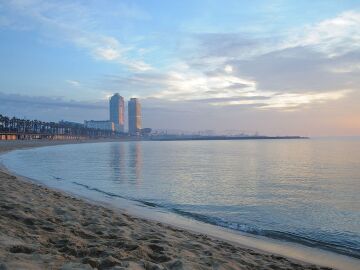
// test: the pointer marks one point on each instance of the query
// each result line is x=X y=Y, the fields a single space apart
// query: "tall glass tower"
x=117 y=109
x=134 y=109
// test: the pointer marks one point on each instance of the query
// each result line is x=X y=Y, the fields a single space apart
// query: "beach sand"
x=42 y=228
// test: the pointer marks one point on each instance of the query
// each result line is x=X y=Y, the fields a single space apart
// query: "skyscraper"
x=134 y=108
x=117 y=108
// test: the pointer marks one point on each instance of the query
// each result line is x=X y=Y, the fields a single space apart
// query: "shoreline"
x=241 y=257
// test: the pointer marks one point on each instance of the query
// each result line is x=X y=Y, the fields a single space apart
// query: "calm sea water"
x=305 y=191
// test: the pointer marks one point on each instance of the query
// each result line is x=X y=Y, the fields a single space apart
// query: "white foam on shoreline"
x=259 y=243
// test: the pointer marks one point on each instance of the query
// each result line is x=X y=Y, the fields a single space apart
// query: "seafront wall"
x=25 y=136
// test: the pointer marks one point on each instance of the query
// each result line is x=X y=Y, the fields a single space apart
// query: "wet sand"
x=42 y=228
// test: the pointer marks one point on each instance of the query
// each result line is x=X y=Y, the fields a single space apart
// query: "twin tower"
x=117 y=111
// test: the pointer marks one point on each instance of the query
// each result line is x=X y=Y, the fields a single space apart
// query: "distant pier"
x=221 y=138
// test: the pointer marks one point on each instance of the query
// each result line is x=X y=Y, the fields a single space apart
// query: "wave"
x=110 y=194
x=340 y=248
x=279 y=235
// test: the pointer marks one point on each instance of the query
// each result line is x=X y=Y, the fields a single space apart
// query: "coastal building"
x=8 y=137
x=117 y=108
x=134 y=111
x=102 y=125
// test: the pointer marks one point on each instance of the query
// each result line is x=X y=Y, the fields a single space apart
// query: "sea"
x=305 y=191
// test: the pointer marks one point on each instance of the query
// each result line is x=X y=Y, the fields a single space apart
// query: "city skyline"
x=116 y=120
x=275 y=67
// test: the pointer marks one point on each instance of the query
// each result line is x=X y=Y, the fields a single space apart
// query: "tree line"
x=26 y=126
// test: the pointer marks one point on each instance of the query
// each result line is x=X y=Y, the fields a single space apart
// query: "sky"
x=271 y=67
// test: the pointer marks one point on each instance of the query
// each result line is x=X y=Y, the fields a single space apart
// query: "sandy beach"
x=42 y=228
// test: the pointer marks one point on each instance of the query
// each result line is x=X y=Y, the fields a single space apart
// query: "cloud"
x=239 y=100
x=313 y=64
x=220 y=47
x=46 y=102
x=219 y=88
x=106 y=53
x=271 y=74
x=345 y=68
x=73 y=83
x=138 y=66
x=300 y=69
x=50 y=108
x=333 y=37
x=294 y=100
x=288 y=101
x=189 y=86
x=73 y=22
x=182 y=85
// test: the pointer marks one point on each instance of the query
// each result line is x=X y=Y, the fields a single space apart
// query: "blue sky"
x=276 y=67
